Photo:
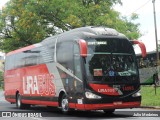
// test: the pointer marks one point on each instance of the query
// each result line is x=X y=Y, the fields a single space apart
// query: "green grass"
x=148 y=96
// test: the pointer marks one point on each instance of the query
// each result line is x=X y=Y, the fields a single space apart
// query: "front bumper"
x=114 y=105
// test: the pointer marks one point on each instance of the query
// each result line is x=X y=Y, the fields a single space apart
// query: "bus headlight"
x=92 y=96
x=137 y=94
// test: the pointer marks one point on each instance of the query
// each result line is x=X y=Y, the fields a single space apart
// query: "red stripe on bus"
x=20 y=50
x=38 y=102
x=72 y=105
x=11 y=100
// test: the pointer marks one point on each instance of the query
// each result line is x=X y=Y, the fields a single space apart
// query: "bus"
x=149 y=70
x=87 y=68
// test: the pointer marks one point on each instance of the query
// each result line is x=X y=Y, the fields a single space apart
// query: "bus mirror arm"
x=141 y=45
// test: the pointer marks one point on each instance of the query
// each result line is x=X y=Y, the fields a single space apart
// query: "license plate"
x=117 y=103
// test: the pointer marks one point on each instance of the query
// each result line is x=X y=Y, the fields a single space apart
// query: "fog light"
x=137 y=94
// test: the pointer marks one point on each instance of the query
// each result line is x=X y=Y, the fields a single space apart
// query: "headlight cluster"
x=92 y=96
x=137 y=94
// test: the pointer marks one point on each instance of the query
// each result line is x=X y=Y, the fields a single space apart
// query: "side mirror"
x=83 y=48
x=142 y=47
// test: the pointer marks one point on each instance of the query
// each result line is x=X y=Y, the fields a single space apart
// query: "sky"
x=144 y=8
x=2 y=2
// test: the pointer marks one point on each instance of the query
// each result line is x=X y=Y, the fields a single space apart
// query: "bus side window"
x=9 y=62
x=31 y=57
x=20 y=60
x=77 y=63
x=65 y=55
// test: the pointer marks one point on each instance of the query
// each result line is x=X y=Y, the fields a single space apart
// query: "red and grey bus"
x=88 y=68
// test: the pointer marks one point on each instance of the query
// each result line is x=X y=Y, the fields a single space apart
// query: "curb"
x=151 y=107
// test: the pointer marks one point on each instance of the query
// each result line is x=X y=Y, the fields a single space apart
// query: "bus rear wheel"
x=19 y=103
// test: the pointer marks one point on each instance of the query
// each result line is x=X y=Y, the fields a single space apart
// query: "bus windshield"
x=110 y=60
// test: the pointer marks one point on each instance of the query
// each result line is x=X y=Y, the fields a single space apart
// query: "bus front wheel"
x=64 y=104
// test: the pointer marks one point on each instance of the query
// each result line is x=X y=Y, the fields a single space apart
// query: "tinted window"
x=19 y=60
x=65 y=54
x=9 y=62
x=31 y=57
x=110 y=59
x=77 y=62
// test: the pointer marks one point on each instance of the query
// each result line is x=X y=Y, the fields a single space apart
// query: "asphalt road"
x=43 y=113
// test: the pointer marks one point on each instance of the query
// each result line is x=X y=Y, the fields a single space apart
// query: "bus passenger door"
x=78 y=83
x=65 y=61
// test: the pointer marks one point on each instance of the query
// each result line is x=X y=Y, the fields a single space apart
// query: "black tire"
x=65 y=104
x=19 y=103
x=109 y=111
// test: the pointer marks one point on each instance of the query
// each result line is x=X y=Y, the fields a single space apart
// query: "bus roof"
x=23 y=49
x=86 y=32
x=75 y=34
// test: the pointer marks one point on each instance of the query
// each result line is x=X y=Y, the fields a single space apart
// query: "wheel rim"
x=64 y=105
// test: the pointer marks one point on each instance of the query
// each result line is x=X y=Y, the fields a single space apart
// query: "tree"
x=19 y=26
x=27 y=22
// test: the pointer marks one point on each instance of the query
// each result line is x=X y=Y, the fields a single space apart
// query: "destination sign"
x=98 y=43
